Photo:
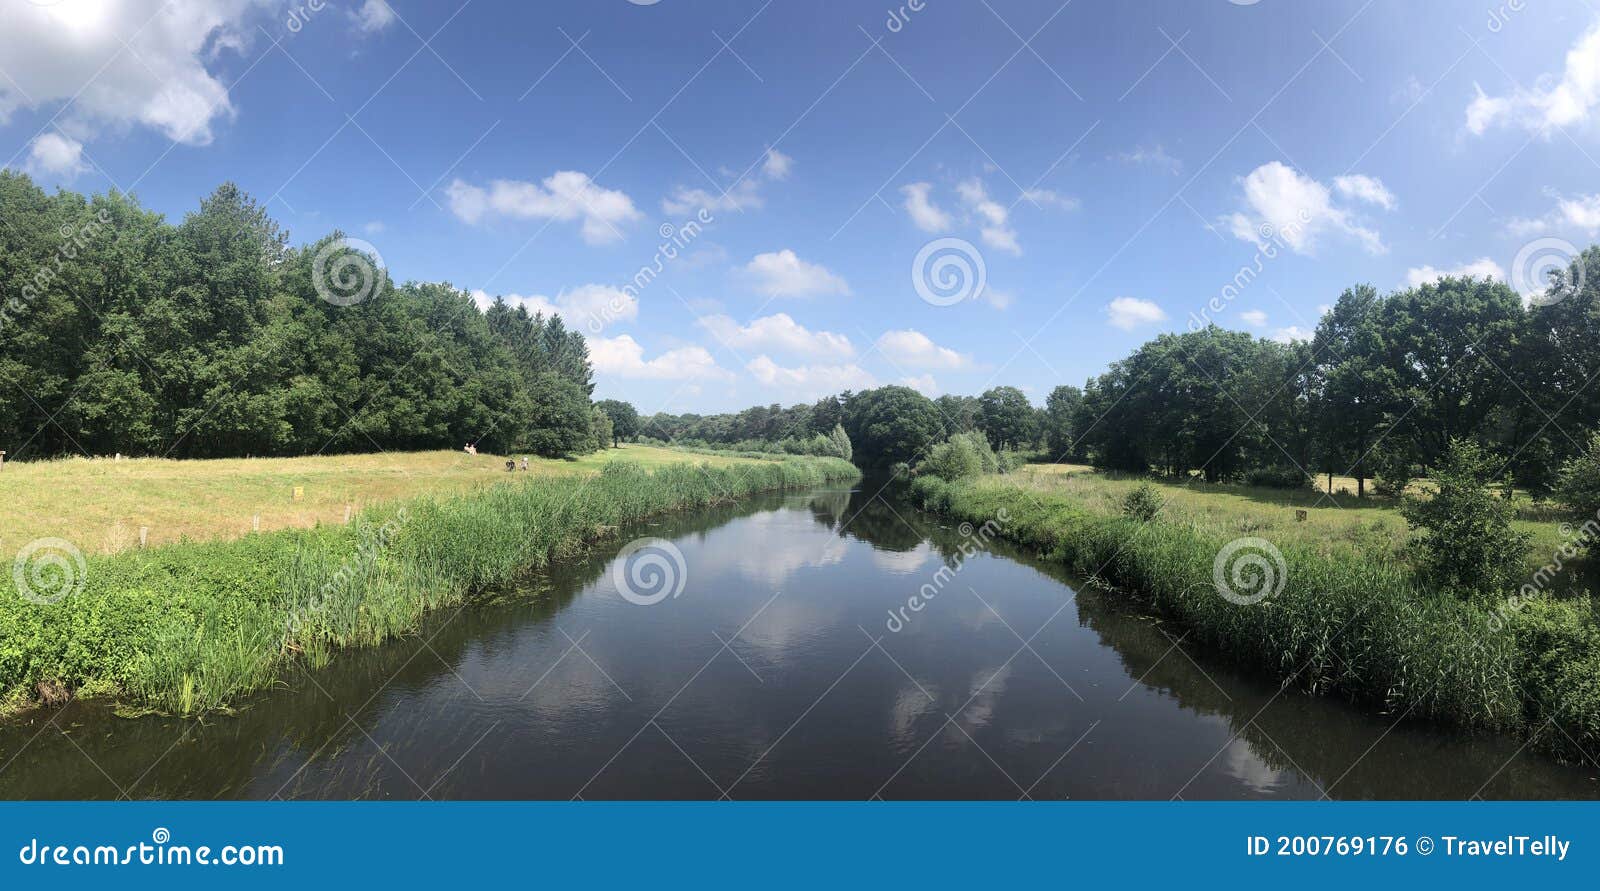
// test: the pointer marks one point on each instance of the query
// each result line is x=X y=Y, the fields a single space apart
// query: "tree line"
x=212 y=337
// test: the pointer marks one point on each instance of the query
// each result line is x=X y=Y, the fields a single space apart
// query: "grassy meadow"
x=100 y=504
x=1337 y=526
x=192 y=626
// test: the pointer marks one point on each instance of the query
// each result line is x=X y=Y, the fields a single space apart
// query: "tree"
x=1468 y=545
x=624 y=419
x=840 y=442
x=1005 y=417
x=1060 y=409
x=890 y=425
x=600 y=425
x=1578 y=486
x=560 y=423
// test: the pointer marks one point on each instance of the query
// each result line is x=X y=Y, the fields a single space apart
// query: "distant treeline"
x=121 y=332
x=1379 y=391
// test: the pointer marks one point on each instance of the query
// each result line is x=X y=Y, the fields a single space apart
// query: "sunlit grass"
x=101 y=505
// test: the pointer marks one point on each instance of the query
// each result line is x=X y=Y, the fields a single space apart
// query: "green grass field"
x=1339 y=525
x=100 y=505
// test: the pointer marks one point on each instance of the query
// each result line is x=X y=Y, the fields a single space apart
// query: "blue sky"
x=1112 y=167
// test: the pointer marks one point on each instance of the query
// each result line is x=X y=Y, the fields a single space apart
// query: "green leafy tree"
x=1061 y=408
x=839 y=442
x=624 y=420
x=1468 y=544
x=891 y=424
x=1005 y=417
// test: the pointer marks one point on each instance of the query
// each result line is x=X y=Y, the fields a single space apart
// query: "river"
x=777 y=671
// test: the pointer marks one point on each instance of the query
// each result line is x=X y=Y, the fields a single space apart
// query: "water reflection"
x=774 y=676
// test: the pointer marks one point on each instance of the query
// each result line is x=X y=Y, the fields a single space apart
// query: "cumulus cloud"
x=922 y=383
x=993 y=217
x=586 y=308
x=1291 y=334
x=744 y=194
x=1566 y=102
x=565 y=196
x=1255 y=318
x=784 y=274
x=1281 y=203
x=913 y=349
x=374 y=16
x=56 y=155
x=1365 y=188
x=157 y=79
x=624 y=357
x=926 y=215
x=778 y=332
x=1129 y=313
x=1483 y=267
x=1050 y=198
x=1579 y=213
x=810 y=380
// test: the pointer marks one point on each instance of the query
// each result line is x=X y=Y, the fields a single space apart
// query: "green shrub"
x=1578 y=484
x=1142 y=504
x=1277 y=478
x=1468 y=545
x=1392 y=470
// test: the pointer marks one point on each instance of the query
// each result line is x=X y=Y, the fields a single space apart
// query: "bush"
x=1278 y=478
x=1143 y=503
x=951 y=460
x=1392 y=471
x=1468 y=544
x=1578 y=485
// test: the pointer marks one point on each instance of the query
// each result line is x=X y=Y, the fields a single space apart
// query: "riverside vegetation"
x=193 y=627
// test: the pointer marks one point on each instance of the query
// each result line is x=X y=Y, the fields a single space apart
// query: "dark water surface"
x=773 y=675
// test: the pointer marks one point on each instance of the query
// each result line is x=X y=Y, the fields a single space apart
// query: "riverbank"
x=1330 y=624
x=191 y=627
x=104 y=506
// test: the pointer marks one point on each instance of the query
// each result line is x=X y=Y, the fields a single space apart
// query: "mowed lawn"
x=101 y=504
x=1336 y=525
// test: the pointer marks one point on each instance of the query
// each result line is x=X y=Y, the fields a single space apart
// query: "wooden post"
x=144 y=533
x=255 y=523
x=347 y=515
x=2 y=460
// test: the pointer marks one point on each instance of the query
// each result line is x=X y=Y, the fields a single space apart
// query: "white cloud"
x=924 y=213
x=810 y=380
x=586 y=308
x=1568 y=101
x=1050 y=198
x=997 y=298
x=1129 y=313
x=158 y=79
x=778 y=332
x=624 y=357
x=995 y=228
x=777 y=164
x=1283 y=204
x=374 y=16
x=1255 y=318
x=376 y=227
x=1479 y=268
x=565 y=196
x=1156 y=157
x=1365 y=188
x=922 y=383
x=1581 y=212
x=784 y=274
x=56 y=155
x=1291 y=334
x=913 y=349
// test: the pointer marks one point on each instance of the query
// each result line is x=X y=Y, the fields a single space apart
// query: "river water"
x=777 y=672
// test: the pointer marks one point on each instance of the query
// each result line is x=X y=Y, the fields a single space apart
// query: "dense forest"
x=121 y=332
